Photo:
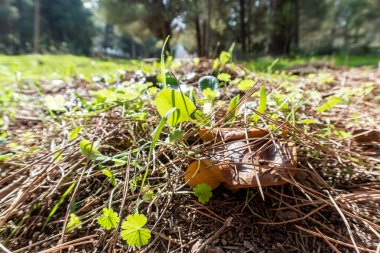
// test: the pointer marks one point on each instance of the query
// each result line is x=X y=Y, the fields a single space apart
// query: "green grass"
x=264 y=63
x=49 y=67
x=39 y=68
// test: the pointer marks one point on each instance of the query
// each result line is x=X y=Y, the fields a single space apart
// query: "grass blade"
x=331 y=102
x=157 y=133
x=163 y=76
x=262 y=105
x=60 y=201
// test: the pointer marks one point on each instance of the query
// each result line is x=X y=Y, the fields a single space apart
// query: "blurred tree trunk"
x=249 y=20
x=159 y=22
x=204 y=38
x=295 y=39
x=198 y=32
x=208 y=29
x=283 y=24
x=330 y=39
x=242 y=25
x=166 y=31
x=133 y=49
x=36 y=34
x=108 y=34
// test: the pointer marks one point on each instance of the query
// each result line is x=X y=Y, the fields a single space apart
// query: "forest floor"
x=54 y=188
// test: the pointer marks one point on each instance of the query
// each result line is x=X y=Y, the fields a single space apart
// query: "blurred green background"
x=294 y=29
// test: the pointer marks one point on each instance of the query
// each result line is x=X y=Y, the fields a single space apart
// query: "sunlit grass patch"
x=50 y=67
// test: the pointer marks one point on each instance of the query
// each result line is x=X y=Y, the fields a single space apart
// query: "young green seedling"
x=203 y=192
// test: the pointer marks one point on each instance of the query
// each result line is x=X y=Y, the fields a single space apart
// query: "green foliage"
x=116 y=95
x=156 y=135
x=163 y=76
x=216 y=64
x=73 y=134
x=4 y=157
x=307 y=121
x=281 y=101
x=133 y=231
x=203 y=192
x=332 y=101
x=262 y=105
x=171 y=82
x=89 y=150
x=342 y=134
x=168 y=99
x=134 y=182
x=60 y=201
x=109 y=219
x=73 y=21
x=263 y=64
x=234 y=101
x=224 y=77
x=55 y=103
x=210 y=82
x=201 y=118
x=61 y=68
x=148 y=196
x=73 y=223
x=158 y=130
x=175 y=136
x=110 y=175
x=209 y=94
x=246 y=84
x=225 y=57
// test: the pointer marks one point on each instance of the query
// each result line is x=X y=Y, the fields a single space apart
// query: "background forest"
x=136 y=28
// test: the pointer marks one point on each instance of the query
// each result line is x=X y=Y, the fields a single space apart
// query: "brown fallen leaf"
x=229 y=134
x=239 y=162
x=203 y=172
x=245 y=164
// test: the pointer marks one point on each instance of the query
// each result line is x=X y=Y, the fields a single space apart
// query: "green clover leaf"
x=203 y=192
x=133 y=231
x=109 y=219
x=73 y=223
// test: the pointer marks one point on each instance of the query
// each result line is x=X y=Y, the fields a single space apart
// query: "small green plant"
x=109 y=219
x=73 y=134
x=120 y=95
x=225 y=57
x=171 y=82
x=176 y=135
x=148 y=196
x=55 y=103
x=60 y=201
x=73 y=223
x=168 y=99
x=208 y=82
x=331 y=102
x=262 y=105
x=224 y=77
x=110 y=175
x=89 y=150
x=133 y=231
x=246 y=84
x=203 y=192
x=234 y=101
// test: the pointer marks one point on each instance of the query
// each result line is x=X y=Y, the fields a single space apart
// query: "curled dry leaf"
x=246 y=164
x=203 y=172
x=229 y=134
x=239 y=162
